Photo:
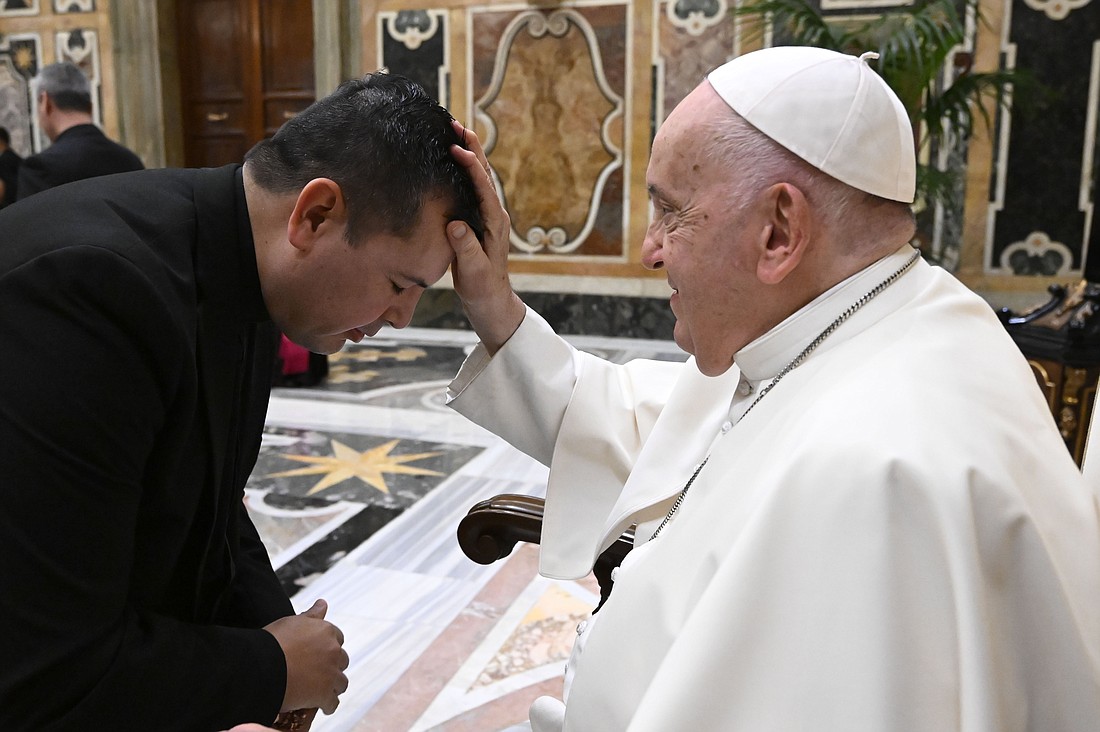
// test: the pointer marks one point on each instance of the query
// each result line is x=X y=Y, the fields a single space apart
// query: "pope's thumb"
x=461 y=241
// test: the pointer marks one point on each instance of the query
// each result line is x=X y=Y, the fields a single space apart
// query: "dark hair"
x=66 y=86
x=384 y=141
x=4 y=136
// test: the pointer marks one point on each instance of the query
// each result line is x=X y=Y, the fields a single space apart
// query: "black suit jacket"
x=136 y=360
x=9 y=174
x=80 y=152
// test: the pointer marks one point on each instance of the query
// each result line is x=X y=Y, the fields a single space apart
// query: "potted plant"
x=921 y=57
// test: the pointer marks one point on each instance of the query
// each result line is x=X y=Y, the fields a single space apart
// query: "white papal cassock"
x=895 y=538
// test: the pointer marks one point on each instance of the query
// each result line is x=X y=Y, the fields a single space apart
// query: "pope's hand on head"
x=480 y=270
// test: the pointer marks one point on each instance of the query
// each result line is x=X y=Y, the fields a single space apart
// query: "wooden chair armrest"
x=492 y=528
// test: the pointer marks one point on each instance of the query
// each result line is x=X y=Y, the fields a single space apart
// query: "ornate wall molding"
x=695 y=16
x=1037 y=255
x=1056 y=9
x=18 y=7
x=415 y=43
x=1086 y=189
x=868 y=5
x=1044 y=173
x=73 y=6
x=413 y=27
x=566 y=104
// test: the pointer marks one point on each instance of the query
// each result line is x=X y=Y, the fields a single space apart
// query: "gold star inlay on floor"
x=375 y=355
x=342 y=375
x=368 y=466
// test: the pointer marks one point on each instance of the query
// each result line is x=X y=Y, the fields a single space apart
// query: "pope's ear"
x=318 y=210
x=783 y=242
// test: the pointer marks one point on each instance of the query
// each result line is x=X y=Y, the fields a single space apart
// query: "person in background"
x=9 y=169
x=134 y=383
x=854 y=511
x=78 y=148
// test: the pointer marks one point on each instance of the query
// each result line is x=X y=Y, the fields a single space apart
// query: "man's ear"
x=318 y=211
x=784 y=241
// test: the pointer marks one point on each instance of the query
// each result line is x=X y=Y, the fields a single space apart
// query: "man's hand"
x=480 y=270
x=315 y=659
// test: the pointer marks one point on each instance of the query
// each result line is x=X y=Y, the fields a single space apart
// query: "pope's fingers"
x=493 y=215
x=471 y=142
x=475 y=167
x=466 y=247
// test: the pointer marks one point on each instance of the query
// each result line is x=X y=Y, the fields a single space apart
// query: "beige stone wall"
x=566 y=93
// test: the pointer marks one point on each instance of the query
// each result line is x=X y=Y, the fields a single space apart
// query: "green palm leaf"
x=914 y=44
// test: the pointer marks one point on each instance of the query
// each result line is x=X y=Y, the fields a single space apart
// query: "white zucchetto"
x=828 y=108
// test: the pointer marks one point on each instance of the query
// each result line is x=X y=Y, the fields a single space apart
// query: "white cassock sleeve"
x=585 y=417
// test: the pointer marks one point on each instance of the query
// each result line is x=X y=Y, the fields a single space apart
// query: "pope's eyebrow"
x=656 y=192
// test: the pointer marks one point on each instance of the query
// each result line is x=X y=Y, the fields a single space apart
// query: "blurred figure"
x=9 y=169
x=79 y=149
x=298 y=366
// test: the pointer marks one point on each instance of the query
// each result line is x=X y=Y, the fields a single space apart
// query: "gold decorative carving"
x=1067 y=423
x=1074 y=380
x=1072 y=384
x=1046 y=384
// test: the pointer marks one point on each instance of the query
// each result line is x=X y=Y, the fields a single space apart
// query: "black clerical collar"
x=252 y=300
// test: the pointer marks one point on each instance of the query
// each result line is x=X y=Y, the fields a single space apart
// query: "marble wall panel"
x=547 y=89
x=414 y=43
x=692 y=38
x=19 y=61
x=1041 y=204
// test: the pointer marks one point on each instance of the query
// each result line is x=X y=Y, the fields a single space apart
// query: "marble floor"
x=358 y=491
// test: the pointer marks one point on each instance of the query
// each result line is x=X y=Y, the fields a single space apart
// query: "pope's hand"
x=480 y=269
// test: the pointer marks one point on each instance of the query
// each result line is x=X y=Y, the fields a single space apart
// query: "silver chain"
x=795 y=363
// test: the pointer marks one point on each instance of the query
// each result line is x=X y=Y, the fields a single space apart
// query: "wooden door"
x=246 y=66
